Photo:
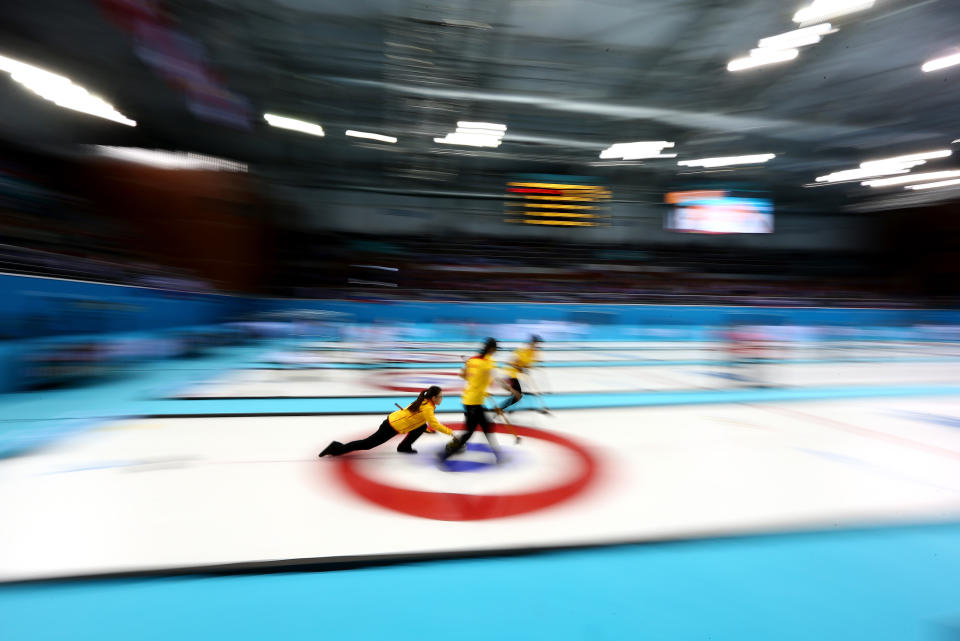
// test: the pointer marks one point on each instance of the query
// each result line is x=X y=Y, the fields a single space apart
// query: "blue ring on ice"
x=466 y=465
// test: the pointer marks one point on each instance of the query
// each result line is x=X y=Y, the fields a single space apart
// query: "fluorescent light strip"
x=283 y=122
x=797 y=37
x=771 y=56
x=885 y=166
x=824 y=9
x=61 y=91
x=941 y=63
x=859 y=174
x=170 y=159
x=942 y=183
x=495 y=135
x=727 y=160
x=900 y=180
x=646 y=157
x=468 y=140
x=475 y=134
x=494 y=126
x=643 y=144
x=909 y=158
x=781 y=47
x=638 y=150
x=364 y=134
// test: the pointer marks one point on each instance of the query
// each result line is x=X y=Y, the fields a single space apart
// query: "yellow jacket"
x=406 y=420
x=478 y=371
x=523 y=358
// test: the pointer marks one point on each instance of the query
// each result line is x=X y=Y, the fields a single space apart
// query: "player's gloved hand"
x=453 y=446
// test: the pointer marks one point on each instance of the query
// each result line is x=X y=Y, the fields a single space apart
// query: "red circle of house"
x=444 y=506
x=414 y=381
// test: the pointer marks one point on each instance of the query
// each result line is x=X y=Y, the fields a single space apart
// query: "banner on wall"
x=178 y=59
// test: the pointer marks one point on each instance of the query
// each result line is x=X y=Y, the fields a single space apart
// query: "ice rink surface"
x=202 y=490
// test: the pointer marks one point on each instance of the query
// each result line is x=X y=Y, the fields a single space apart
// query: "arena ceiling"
x=568 y=78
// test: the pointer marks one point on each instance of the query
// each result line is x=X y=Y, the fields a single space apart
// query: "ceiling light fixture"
x=492 y=126
x=638 y=150
x=884 y=182
x=170 y=159
x=825 y=9
x=364 y=134
x=941 y=63
x=942 y=183
x=861 y=173
x=727 y=160
x=885 y=166
x=283 y=122
x=475 y=134
x=909 y=158
x=760 y=57
x=61 y=91
x=470 y=140
x=797 y=37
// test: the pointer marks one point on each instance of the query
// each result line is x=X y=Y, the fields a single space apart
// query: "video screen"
x=717 y=212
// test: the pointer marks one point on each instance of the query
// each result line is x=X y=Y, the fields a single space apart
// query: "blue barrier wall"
x=35 y=311
x=46 y=306
x=34 y=307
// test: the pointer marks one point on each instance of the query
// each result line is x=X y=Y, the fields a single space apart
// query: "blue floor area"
x=887 y=584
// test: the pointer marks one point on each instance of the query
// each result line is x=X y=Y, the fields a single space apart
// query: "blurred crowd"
x=497 y=269
x=485 y=269
x=45 y=232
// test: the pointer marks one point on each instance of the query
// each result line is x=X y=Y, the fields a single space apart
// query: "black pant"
x=383 y=434
x=514 y=385
x=475 y=417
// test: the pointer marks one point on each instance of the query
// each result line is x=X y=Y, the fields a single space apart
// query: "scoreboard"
x=563 y=201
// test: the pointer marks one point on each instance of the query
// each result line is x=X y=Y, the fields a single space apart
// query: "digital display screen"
x=717 y=212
